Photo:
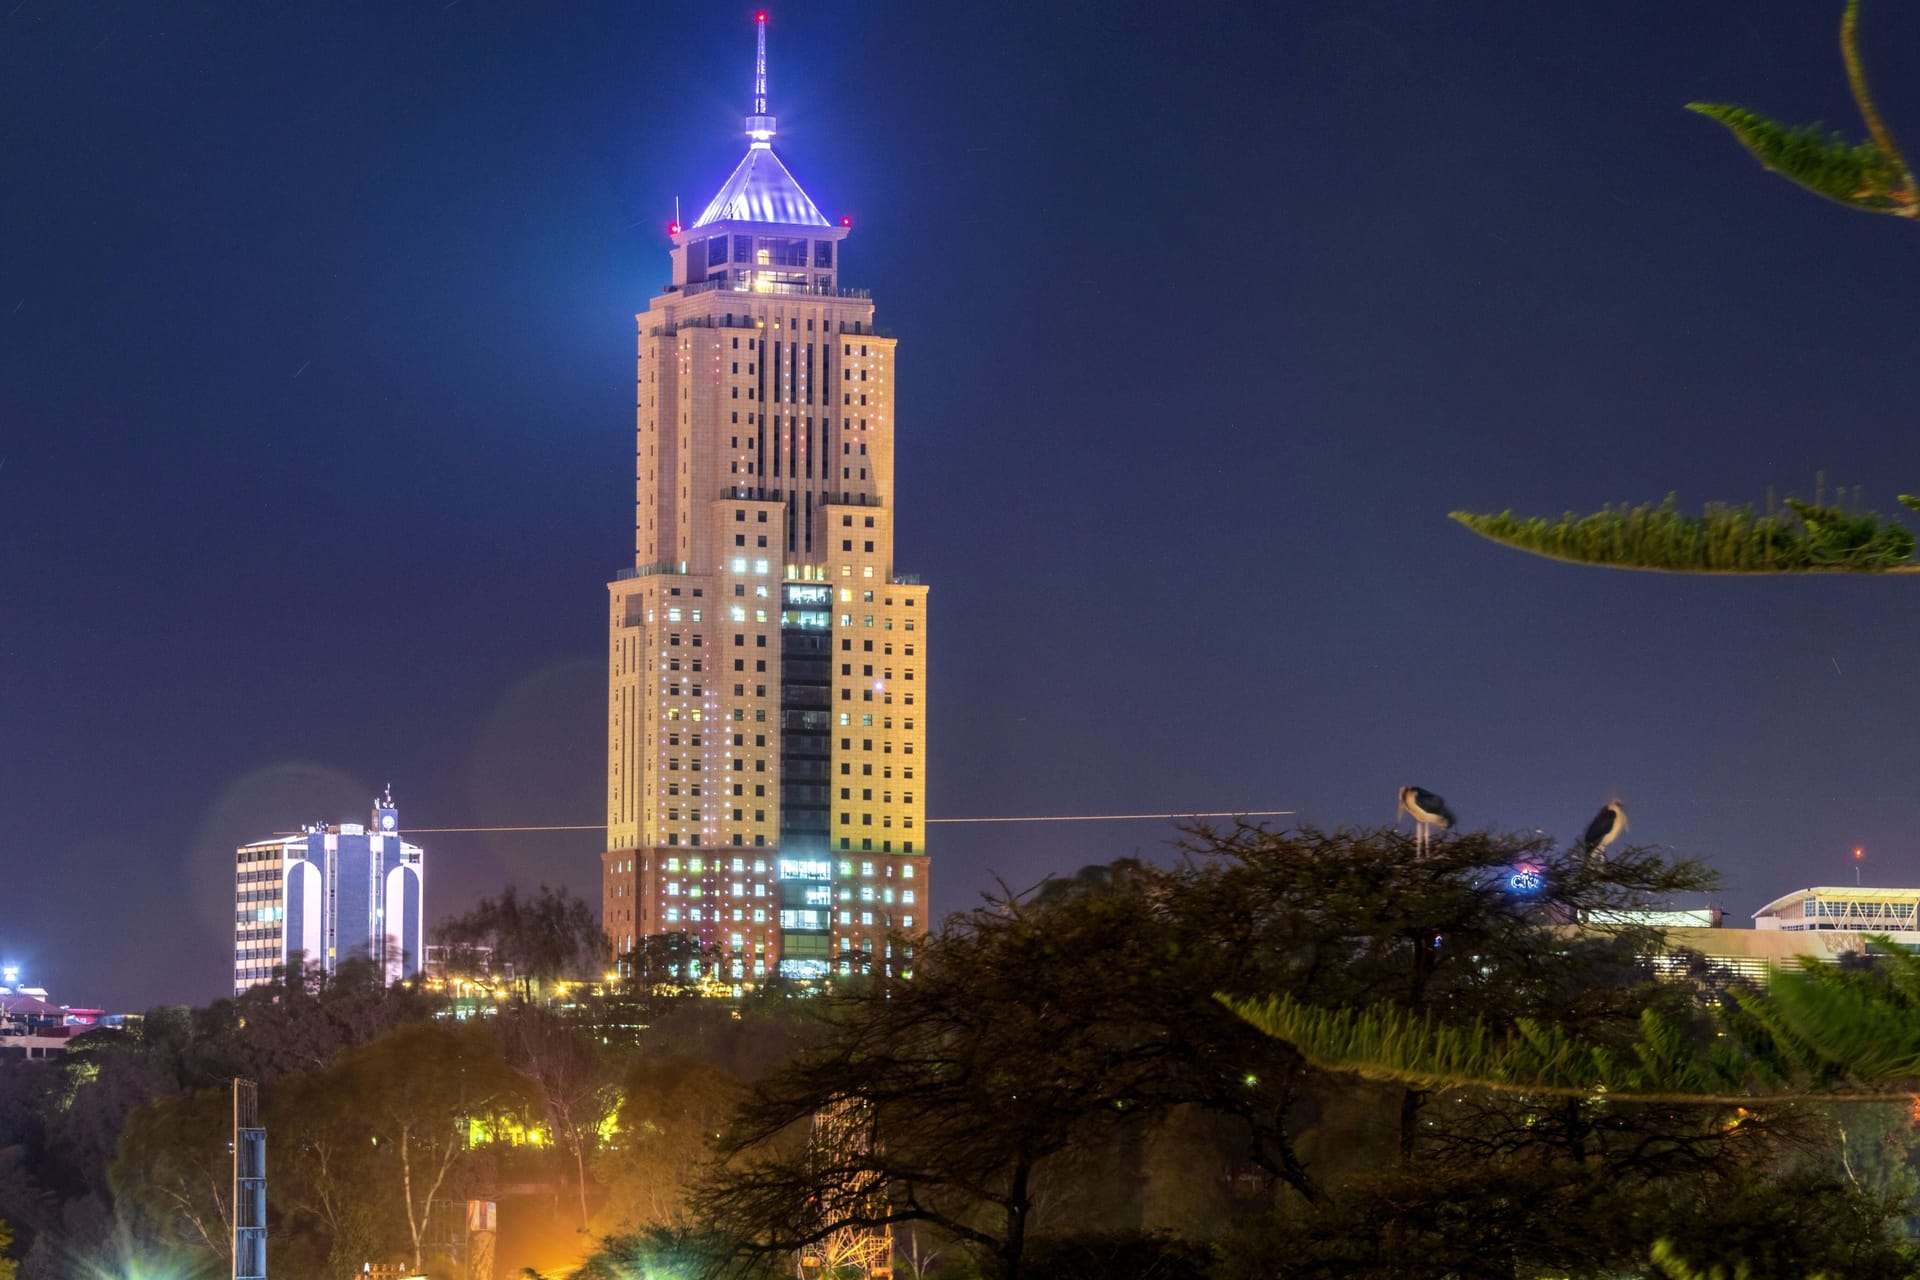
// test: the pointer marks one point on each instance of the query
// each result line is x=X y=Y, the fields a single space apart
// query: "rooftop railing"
x=649 y=570
x=773 y=287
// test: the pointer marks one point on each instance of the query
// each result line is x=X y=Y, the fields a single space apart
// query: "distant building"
x=1750 y=953
x=1701 y=918
x=32 y=1026
x=1821 y=924
x=326 y=894
x=457 y=960
x=1833 y=909
x=767 y=678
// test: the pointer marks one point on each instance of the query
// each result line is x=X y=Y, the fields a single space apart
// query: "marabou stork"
x=1605 y=828
x=1427 y=811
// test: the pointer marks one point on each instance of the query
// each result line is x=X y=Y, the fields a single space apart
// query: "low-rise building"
x=1821 y=924
x=32 y=1026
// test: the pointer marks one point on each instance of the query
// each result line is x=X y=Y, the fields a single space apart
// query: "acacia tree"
x=1035 y=1033
x=1871 y=176
x=977 y=1073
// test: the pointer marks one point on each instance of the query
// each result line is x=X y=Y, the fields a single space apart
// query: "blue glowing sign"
x=1525 y=879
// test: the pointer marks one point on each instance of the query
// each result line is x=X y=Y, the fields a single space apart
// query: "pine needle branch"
x=1857 y=174
x=1871 y=176
x=1817 y=1033
x=1391 y=1046
x=1805 y=538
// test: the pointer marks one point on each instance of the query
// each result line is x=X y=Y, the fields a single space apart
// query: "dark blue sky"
x=316 y=334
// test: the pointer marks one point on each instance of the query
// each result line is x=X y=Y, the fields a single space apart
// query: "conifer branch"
x=1390 y=1046
x=1871 y=176
x=1814 y=1034
x=1805 y=538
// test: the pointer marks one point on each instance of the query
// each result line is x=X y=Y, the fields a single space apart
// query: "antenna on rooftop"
x=760 y=124
x=760 y=66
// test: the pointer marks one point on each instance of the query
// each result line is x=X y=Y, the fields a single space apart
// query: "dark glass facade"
x=806 y=744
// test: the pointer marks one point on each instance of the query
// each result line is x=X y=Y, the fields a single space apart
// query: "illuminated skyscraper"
x=766 y=696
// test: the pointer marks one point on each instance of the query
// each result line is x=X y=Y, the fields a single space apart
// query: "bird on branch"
x=1607 y=826
x=1427 y=811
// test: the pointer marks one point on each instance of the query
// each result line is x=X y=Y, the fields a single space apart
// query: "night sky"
x=316 y=423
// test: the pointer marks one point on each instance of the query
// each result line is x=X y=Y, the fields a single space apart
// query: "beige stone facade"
x=766 y=696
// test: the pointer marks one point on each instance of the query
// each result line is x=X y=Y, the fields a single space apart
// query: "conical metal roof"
x=761 y=190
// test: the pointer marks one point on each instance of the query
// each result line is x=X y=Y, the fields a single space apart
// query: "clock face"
x=388 y=822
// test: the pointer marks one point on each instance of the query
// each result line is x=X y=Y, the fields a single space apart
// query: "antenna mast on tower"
x=760 y=69
x=760 y=124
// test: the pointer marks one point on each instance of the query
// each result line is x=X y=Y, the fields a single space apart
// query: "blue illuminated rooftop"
x=761 y=190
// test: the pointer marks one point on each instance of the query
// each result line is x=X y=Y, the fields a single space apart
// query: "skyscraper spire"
x=760 y=124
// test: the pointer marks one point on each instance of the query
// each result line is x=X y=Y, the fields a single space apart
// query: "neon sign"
x=1526 y=878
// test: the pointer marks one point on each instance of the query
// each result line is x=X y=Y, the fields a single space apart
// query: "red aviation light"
x=673 y=228
x=846 y=222
x=760 y=16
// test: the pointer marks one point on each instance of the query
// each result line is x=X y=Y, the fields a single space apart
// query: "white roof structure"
x=761 y=190
x=1843 y=907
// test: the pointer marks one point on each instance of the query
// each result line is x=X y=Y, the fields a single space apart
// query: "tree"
x=1872 y=176
x=173 y=1176
x=668 y=963
x=1039 y=1033
x=1807 y=1035
x=567 y=1077
x=550 y=937
x=8 y=1267
x=970 y=1079
x=671 y=1109
x=1812 y=1043
x=306 y=1018
x=424 y=1090
x=324 y=1162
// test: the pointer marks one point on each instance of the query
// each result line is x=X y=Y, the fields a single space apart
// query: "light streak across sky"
x=1050 y=817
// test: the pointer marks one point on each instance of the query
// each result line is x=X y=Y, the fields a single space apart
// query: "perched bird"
x=1427 y=811
x=1605 y=828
